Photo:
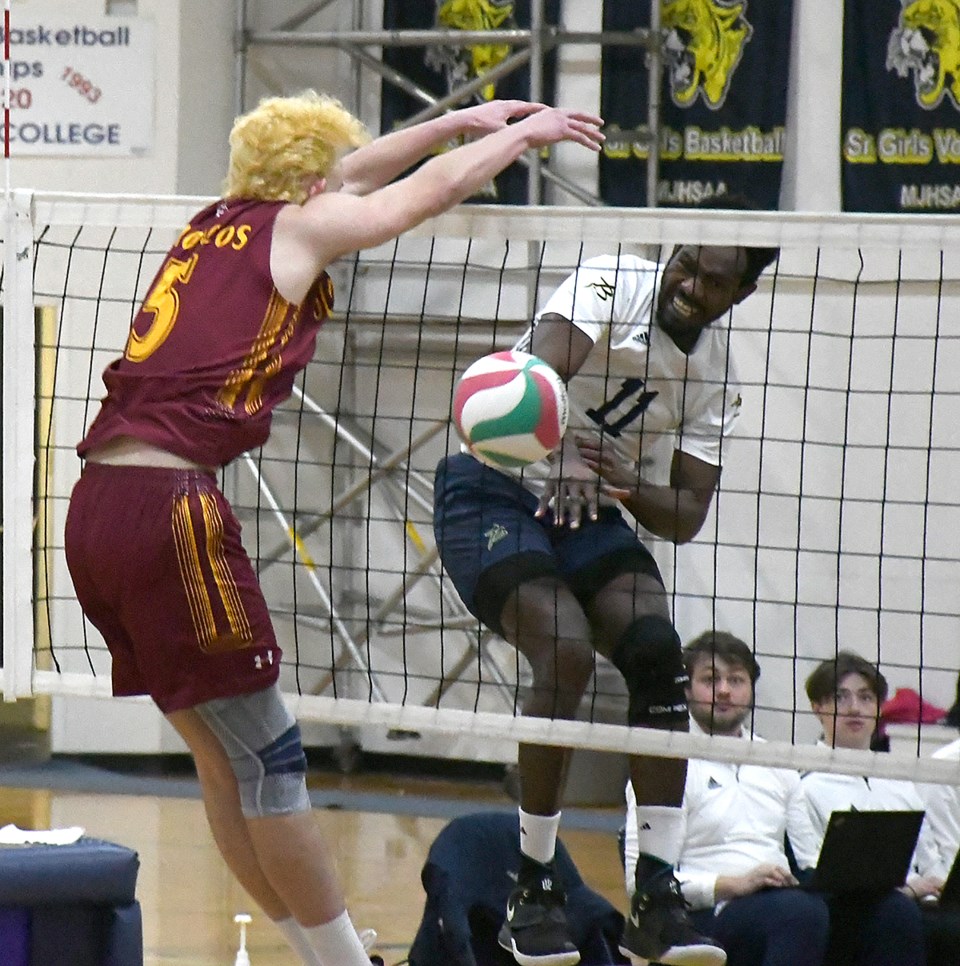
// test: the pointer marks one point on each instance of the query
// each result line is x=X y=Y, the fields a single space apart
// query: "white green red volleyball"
x=510 y=409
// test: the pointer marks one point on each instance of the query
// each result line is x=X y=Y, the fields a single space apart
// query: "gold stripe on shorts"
x=226 y=584
x=188 y=557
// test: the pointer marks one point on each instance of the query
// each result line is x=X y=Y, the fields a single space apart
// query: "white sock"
x=660 y=832
x=336 y=943
x=297 y=939
x=538 y=836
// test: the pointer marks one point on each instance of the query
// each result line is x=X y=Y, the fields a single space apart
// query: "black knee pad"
x=648 y=656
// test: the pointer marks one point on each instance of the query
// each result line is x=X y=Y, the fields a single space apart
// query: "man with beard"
x=733 y=868
x=546 y=559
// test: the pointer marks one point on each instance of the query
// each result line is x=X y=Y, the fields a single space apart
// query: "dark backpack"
x=469 y=873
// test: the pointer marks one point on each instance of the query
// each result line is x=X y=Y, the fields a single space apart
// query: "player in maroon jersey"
x=153 y=547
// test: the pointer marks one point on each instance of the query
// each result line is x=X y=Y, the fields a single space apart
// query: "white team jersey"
x=647 y=396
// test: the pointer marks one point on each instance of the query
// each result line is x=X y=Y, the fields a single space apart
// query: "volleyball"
x=510 y=409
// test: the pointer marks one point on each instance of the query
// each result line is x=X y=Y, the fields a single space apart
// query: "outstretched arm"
x=328 y=225
x=378 y=163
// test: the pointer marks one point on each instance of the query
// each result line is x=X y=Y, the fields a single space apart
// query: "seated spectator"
x=942 y=925
x=943 y=801
x=866 y=930
x=733 y=868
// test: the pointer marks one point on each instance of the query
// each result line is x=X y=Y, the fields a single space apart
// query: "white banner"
x=80 y=85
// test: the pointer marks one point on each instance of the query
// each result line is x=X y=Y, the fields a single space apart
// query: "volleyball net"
x=834 y=526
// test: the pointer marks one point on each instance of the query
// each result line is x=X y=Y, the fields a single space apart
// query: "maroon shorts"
x=160 y=571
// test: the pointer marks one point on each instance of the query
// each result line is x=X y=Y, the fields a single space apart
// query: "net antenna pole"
x=8 y=217
x=18 y=416
x=6 y=99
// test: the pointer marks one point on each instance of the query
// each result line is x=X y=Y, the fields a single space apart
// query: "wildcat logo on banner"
x=901 y=105
x=723 y=102
x=462 y=64
x=926 y=45
x=704 y=44
x=439 y=70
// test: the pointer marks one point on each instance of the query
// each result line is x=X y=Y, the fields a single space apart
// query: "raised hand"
x=554 y=124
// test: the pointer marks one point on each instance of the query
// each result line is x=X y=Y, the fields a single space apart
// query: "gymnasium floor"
x=382 y=823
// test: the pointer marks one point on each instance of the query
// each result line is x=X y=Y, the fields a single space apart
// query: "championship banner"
x=72 y=87
x=439 y=70
x=901 y=105
x=723 y=102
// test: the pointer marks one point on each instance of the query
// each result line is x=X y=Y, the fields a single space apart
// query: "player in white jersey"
x=549 y=562
x=643 y=391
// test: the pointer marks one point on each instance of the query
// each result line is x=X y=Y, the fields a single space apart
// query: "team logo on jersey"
x=926 y=44
x=603 y=289
x=461 y=64
x=495 y=534
x=705 y=41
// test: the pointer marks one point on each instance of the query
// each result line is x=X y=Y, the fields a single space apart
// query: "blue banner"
x=439 y=70
x=901 y=105
x=723 y=102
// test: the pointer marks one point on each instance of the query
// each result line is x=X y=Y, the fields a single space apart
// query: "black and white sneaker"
x=535 y=931
x=658 y=929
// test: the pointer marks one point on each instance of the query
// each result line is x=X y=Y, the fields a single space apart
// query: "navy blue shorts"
x=490 y=542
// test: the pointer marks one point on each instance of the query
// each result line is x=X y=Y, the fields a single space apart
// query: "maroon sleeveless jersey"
x=214 y=347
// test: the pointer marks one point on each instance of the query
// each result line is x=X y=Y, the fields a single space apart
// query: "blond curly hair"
x=284 y=141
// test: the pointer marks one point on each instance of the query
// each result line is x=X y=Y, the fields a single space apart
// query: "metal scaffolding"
x=362 y=45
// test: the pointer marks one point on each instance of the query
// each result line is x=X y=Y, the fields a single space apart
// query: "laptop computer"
x=950 y=894
x=866 y=851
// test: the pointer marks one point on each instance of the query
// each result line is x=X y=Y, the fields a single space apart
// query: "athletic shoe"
x=535 y=931
x=658 y=929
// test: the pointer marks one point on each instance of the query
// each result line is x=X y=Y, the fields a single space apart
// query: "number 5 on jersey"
x=163 y=303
